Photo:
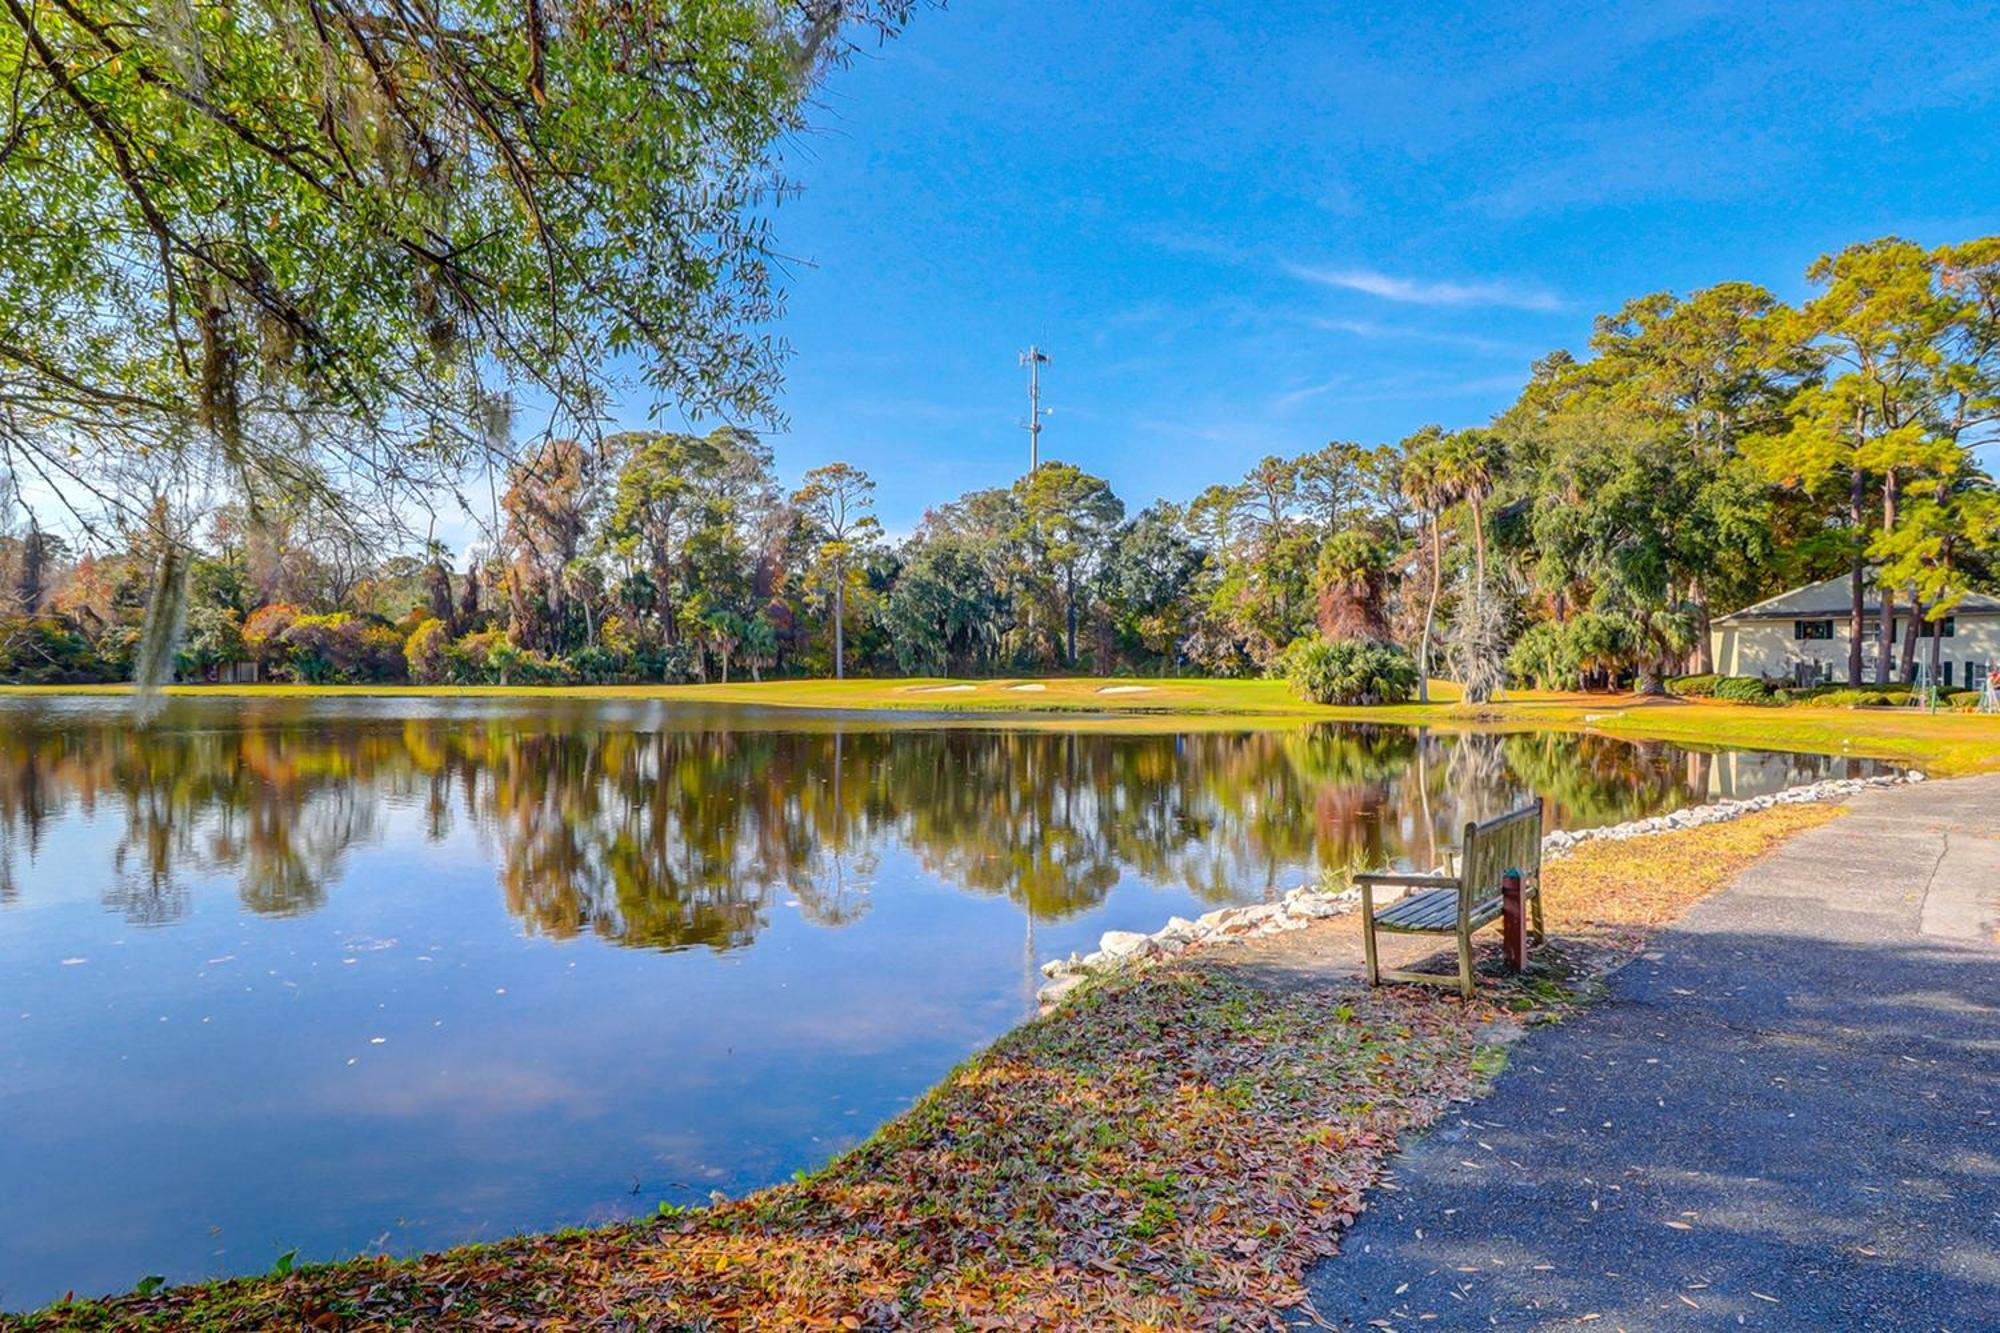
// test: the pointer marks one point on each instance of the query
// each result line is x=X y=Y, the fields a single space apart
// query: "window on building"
x=1926 y=628
x=1812 y=629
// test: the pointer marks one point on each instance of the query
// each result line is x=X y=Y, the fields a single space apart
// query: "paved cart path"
x=1787 y=1117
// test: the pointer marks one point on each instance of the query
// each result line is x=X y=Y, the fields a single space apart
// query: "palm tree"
x=1471 y=462
x=1349 y=578
x=1426 y=483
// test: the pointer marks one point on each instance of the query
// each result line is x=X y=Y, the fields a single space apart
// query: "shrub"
x=116 y=647
x=382 y=652
x=1542 y=658
x=668 y=665
x=1851 y=698
x=322 y=648
x=617 y=636
x=427 y=653
x=263 y=638
x=597 y=664
x=213 y=640
x=503 y=660
x=529 y=667
x=1349 y=671
x=1605 y=645
x=472 y=657
x=1694 y=687
x=49 y=650
x=343 y=647
x=1742 y=690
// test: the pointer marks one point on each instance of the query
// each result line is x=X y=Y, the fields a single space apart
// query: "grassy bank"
x=1170 y=1149
x=1946 y=744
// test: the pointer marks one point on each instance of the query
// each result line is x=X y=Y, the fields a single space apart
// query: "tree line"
x=1702 y=453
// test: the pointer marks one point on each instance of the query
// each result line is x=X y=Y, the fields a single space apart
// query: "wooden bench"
x=1462 y=903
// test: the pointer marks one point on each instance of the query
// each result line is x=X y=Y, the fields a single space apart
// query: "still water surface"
x=344 y=975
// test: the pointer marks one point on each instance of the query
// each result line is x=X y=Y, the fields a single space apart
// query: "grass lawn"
x=1943 y=743
x=1170 y=1149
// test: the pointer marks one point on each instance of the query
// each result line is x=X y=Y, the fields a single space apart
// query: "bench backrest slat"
x=1512 y=841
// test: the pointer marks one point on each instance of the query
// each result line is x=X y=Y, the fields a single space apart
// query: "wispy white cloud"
x=1292 y=398
x=1418 y=291
x=1369 y=329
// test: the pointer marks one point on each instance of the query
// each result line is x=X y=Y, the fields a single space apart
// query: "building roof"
x=1831 y=600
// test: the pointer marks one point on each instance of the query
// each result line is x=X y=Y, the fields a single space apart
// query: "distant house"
x=1802 y=635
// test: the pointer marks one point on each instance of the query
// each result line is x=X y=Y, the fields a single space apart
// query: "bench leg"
x=1465 y=986
x=1368 y=934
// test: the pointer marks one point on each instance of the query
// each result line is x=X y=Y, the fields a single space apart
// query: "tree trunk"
x=1430 y=615
x=1652 y=673
x=1703 y=661
x=1906 y=669
x=1069 y=596
x=1886 y=636
x=1857 y=607
x=1479 y=542
x=839 y=622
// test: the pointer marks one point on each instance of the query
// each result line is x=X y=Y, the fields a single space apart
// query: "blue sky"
x=1241 y=230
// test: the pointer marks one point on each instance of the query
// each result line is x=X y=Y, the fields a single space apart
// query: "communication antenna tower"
x=1034 y=359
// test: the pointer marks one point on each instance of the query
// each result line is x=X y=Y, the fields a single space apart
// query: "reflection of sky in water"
x=304 y=981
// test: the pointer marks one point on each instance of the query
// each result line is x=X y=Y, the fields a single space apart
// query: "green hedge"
x=1742 y=690
x=1852 y=698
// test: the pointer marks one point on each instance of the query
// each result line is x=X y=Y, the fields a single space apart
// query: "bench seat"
x=1434 y=911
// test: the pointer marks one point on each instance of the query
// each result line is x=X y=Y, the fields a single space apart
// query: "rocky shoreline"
x=1302 y=906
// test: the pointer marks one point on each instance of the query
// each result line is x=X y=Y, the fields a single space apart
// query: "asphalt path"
x=1787 y=1116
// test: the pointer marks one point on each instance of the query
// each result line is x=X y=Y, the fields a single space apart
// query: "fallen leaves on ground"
x=1622 y=891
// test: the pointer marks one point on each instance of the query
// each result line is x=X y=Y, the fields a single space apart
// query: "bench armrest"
x=1397 y=877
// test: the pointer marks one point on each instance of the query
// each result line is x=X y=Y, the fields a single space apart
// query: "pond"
x=351 y=975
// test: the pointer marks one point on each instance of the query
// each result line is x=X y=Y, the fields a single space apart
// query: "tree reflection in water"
x=661 y=834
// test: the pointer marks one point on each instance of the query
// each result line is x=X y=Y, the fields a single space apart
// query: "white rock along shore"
x=1306 y=904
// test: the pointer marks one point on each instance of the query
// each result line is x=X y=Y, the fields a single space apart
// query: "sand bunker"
x=1126 y=689
x=940 y=689
x=1030 y=688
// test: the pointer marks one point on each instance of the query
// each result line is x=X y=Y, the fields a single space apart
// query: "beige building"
x=1802 y=635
